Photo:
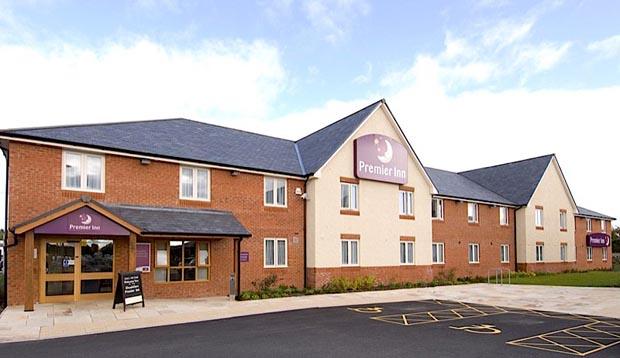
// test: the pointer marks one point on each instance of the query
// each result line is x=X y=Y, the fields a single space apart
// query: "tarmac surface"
x=413 y=328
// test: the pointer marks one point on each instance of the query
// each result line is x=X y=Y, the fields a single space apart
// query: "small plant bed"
x=582 y=279
x=268 y=288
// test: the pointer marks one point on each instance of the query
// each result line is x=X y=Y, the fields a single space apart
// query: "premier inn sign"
x=380 y=158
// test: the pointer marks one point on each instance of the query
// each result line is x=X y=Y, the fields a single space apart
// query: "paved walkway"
x=62 y=320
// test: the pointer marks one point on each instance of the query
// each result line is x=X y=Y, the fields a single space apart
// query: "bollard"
x=231 y=293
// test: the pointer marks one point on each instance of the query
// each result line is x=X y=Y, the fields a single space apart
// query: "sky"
x=472 y=82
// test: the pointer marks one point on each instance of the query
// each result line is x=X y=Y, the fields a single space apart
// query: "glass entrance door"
x=59 y=271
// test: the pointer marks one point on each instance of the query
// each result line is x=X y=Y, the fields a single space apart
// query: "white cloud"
x=334 y=18
x=541 y=57
x=137 y=79
x=364 y=77
x=606 y=48
x=506 y=32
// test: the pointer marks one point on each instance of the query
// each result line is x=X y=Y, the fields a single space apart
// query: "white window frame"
x=588 y=225
x=406 y=207
x=541 y=257
x=504 y=253
x=603 y=226
x=275 y=252
x=476 y=218
x=563 y=215
x=409 y=260
x=473 y=256
x=349 y=241
x=604 y=253
x=275 y=192
x=439 y=203
x=194 y=183
x=589 y=253
x=350 y=190
x=504 y=209
x=542 y=217
x=443 y=253
x=563 y=252
x=83 y=171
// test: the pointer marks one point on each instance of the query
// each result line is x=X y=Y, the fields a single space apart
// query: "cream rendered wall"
x=378 y=224
x=552 y=195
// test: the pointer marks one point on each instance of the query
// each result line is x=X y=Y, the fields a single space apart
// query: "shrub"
x=265 y=284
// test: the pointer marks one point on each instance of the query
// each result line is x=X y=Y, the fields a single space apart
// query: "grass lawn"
x=585 y=279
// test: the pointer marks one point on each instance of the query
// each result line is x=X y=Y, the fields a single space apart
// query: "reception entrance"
x=73 y=270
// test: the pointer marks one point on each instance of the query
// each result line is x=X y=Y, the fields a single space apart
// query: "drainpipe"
x=305 y=268
x=238 y=253
x=5 y=295
x=515 y=238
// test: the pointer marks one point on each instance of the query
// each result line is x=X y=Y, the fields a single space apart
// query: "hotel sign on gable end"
x=380 y=158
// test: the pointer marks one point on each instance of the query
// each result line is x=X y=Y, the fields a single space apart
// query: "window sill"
x=474 y=263
x=406 y=217
x=195 y=199
x=504 y=262
x=350 y=266
x=349 y=212
x=438 y=219
x=175 y=282
x=506 y=226
x=438 y=263
x=564 y=230
x=83 y=190
x=540 y=228
x=274 y=206
x=275 y=267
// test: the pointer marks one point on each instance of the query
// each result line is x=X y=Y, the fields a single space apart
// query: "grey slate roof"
x=176 y=221
x=515 y=181
x=179 y=139
x=315 y=149
x=593 y=214
x=458 y=186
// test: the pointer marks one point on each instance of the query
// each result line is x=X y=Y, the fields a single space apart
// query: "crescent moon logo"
x=387 y=156
x=85 y=219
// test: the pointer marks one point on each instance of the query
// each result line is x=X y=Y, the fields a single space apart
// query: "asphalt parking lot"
x=417 y=328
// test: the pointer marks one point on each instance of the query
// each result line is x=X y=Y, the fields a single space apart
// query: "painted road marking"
x=479 y=328
x=367 y=309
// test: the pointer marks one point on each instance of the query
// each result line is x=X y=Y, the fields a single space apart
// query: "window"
x=563 y=226
x=603 y=226
x=437 y=209
x=504 y=253
x=589 y=253
x=474 y=253
x=349 y=196
x=350 y=252
x=406 y=252
x=438 y=253
x=538 y=217
x=472 y=212
x=588 y=225
x=182 y=261
x=405 y=202
x=563 y=251
x=539 y=253
x=275 y=191
x=276 y=253
x=194 y=183
x=604 y=253
x=503 y=215
x=82 y=171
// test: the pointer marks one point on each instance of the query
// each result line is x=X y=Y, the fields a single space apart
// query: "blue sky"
x=472 y=82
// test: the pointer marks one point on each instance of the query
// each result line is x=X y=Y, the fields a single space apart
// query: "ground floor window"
x=182 y=261
x=406 y=252
x=474 y=253
x=539 y=253
x=504 y=253
x=276 y=253
x=438 y=250
x=563 y=248
x=349 y=252
x=589 y=253
x=604 y=253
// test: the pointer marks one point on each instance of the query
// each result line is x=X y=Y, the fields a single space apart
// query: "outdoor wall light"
x=234 y=173
x=145 y=161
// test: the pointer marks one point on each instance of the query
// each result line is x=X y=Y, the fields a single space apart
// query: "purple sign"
x=143 y=257
x=244 y=256
x=380 y=158
x=597 y=239
x=83 y=221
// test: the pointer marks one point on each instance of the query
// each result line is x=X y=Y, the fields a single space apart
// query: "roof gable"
x=458 y=186
x=515 y=181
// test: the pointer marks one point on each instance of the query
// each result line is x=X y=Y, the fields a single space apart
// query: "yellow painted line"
x=609 y=333
x=542 y=348
x=456 y=313
x=562 y=346
x=405 y=320
x=431 y=315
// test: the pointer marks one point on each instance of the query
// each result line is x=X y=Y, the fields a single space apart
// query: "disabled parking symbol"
x=479 y=328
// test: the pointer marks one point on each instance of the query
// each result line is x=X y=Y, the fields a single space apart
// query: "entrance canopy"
x=89 y=217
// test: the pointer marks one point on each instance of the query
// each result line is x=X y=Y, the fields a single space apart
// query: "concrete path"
x=62 y=320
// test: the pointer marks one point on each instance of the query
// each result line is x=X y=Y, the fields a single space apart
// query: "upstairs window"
x=275 y=191
x=349 y=196
x=538 y=217
x=603 y=226
x=503 y=215
x=194 y=183
x=83 y=171
x=437 y=209
x=563 y=221
x=588 y=225
x=472 y=212
x=405 y=202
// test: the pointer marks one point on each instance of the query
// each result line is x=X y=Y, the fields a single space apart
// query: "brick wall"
x=456 y=234
x=597 y=252
x=317 y=277
x=34 y=188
